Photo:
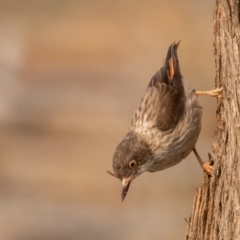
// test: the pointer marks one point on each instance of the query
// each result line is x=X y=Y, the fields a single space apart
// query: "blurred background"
x=71 y=75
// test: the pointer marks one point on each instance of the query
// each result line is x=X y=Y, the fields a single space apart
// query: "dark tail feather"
x=172 y=51
x=170 y=73
x=172 y=63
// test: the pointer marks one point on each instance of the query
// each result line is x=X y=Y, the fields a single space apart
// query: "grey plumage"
x=164 y=128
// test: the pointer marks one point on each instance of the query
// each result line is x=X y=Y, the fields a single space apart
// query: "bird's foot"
x=213 y=93
x=208 y=166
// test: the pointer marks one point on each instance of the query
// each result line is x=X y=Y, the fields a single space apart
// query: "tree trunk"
x=216 y=206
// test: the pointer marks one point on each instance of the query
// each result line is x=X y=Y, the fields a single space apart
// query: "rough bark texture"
x=216 y=207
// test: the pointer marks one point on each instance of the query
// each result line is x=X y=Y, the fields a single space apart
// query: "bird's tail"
x=170 y=73
x=172 y=63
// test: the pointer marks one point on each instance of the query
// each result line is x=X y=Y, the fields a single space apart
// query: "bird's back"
x=163 y=103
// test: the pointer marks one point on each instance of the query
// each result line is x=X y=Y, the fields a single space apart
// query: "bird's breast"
x=172 y=146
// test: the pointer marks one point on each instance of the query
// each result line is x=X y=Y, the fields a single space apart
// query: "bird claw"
x=213 y=93
x=208 y=166
x=217 y=92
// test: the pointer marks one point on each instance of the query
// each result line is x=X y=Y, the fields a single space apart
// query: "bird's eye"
x=133 y=164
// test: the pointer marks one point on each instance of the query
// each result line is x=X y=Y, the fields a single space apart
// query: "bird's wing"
x=163 y=104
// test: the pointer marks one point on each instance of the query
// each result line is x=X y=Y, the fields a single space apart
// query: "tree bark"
x=216 y=206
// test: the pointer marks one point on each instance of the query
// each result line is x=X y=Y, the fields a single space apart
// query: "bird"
x=164 y=128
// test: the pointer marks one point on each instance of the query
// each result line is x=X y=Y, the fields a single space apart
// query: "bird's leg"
x=213 y=93
x=206 y=166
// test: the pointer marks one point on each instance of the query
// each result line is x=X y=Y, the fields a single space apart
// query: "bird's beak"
x=125 y=186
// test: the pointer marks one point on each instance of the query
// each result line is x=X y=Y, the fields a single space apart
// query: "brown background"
x=71 y=75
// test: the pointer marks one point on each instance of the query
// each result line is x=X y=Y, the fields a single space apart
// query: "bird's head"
x=130 y=160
